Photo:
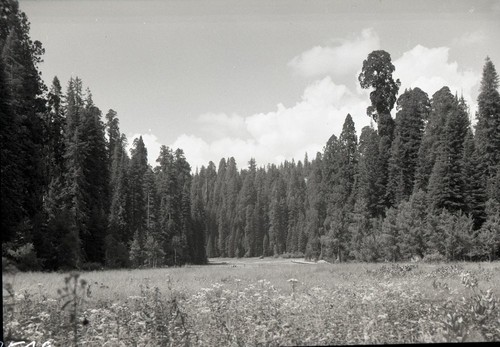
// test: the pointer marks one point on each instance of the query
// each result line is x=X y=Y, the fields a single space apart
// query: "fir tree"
x=413 y=110
x=488 y=124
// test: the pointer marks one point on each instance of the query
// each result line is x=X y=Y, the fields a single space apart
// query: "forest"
x=422 y=182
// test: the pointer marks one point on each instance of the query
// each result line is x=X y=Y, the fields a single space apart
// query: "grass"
x=250 y=302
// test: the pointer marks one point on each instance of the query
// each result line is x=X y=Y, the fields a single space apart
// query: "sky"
x=270 y=80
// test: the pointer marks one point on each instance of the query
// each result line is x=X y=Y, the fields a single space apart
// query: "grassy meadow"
x=256 y=302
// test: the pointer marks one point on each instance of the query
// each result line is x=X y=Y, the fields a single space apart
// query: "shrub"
x=25 y=258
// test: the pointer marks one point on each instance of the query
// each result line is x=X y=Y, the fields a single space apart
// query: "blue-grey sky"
x=264 y=79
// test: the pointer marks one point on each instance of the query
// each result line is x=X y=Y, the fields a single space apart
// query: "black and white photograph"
x=249 y=172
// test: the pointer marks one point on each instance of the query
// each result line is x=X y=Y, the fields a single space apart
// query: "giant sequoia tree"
x=377 y=74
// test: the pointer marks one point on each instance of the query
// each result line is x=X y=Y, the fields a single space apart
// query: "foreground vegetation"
x=256 y=302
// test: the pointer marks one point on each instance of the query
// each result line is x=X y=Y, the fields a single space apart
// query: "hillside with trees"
x=422 y=181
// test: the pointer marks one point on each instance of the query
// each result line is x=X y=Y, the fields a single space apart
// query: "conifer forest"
x=422 y=181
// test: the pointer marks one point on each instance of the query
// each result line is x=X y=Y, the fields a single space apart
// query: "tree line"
x=424 y=183
x=71 y=195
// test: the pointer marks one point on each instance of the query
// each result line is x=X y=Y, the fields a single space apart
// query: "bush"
x=25 y=258
x=434 y=258
x=8 y=266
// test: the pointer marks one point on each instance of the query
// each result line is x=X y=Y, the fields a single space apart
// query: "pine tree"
x=199 y=221
x=229 y=201
x=340 y=159
x=167 y=186
x=296 y=210
x=261 y=216
x=488 y=124
x=315 y=208
x=76 y=186
x=390 y=238
x=11 y=187
x=474 y=184
x=209 y=199
x=359 y=230
x=96 y=172
x=446 y=183
x=119 y=225
x=113 y=132
x=246 y=209
x=442 y=104
x=411 y=226
x=54 y=132
x=366 y=182
x=278 y=217
x=23 y=165
x=222 y=223
x=413 y=110
x=137 y=196
x=489 y=235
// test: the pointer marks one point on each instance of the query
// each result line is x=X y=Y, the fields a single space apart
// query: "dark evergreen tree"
x=138 y=199
x=488 y=245
x=411 y=224
x=246 y=209
x=474 y=183
x=220 y=201
x=209 y=200
x=315 y=208
x=446 y=183
x=278 y=217
x=23 y=166
x=113 y=132
x=442 y=104
x=96 y=172
x=54 y=132
x=339 y=162
x=488 y=124
x=367 y=188
x=413 y=110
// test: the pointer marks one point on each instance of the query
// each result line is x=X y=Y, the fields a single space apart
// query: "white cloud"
x=430 y=70
x=152 y=145
x=286 y=133
x=339 y=60
x=291 y=131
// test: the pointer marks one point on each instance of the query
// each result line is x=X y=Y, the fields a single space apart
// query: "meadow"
x=256 y=302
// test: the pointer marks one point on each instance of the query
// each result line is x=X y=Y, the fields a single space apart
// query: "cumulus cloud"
x=339 y=60
x=286 y=133
x=291 y=131
x=430 y=70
